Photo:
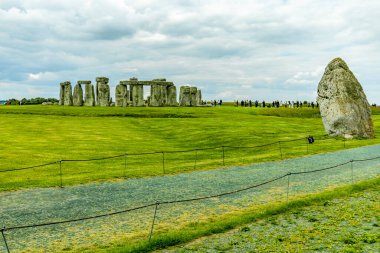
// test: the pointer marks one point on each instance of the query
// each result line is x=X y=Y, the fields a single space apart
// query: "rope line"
x=184 y=200
x=149 y=153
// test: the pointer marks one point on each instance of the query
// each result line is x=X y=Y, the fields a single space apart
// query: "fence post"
x=125 y=166
x=163 y=162
x=287 y=189
x=352 y=171
x=154 y=219
x=5 y=240
x=60 y=173
x=279 y=146
x=223 y=154
x=196 y=157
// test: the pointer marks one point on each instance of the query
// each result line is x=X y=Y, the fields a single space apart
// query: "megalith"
x=137 y=94
x=121 y=95
x=184 y=96
x=66 y=97
x=193 y=96
x=103 y=96
x=172 y=96
x=89 y=94
x=343 y=104
x=156 y=95
x=78 y=95
x=198 y=98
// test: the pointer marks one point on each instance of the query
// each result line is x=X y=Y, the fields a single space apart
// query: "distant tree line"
x=31 y=101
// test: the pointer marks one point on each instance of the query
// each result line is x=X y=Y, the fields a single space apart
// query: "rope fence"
x=194 y=158
x=156 y=204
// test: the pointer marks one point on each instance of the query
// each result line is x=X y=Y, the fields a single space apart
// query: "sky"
x=253 y=49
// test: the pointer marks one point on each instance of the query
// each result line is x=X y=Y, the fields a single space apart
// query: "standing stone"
x=155 y=95
x=137 y=92
x=184 y=96
x=103 y=96
x=164 y=95
x=172 y=96
x=89 y=94
x=61 y=94
x=199 y=98
x=344 y=107
x=66 y=94
x=193 y=96
x=78 y=95
x=121 y=95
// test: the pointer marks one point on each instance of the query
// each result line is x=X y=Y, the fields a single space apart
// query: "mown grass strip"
x=230 y=221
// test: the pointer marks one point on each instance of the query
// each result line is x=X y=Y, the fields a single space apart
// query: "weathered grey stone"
x=184 y=96
x=78 y=95
x=89 y=94
x=121 y=95
x=61 y=94
x=172 y=96
x=84 y=82
x=103 y=96
x=137 y=95
x=159 y=80
x=193 y=96
x=344 y=107
x=66 y=94
x=198 y=98
x=156 y=95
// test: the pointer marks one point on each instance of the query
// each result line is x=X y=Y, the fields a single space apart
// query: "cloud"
x=264 y=49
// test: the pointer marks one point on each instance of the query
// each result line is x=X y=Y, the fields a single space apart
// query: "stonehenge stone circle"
x=66 y=97
x=129 y=93
x=344 y=107
x=78 y=95
x=103 y=96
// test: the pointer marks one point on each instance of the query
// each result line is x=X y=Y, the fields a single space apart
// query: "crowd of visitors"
x=275 y=104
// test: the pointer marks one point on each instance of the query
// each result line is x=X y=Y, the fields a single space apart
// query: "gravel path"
x=54 y=204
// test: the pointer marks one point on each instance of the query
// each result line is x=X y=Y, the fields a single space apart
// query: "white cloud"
x=274 y=49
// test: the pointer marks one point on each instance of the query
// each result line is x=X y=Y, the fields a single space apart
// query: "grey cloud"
x=245 y=48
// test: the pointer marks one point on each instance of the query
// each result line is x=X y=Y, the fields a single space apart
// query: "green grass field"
x=348 y=224
x=34 y=135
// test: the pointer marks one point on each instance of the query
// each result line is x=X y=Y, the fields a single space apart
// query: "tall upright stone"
x=164 y=95
x=78 y=95
x=89 y=93
x=156 y=95
x=103 y=96
x=61 y=94
x=66 y=93
x=198 y=98
x=344 y=107
x=184 y=96
x=137 y=93
x=193 y=96
x=121 y=95
x=172 y=95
